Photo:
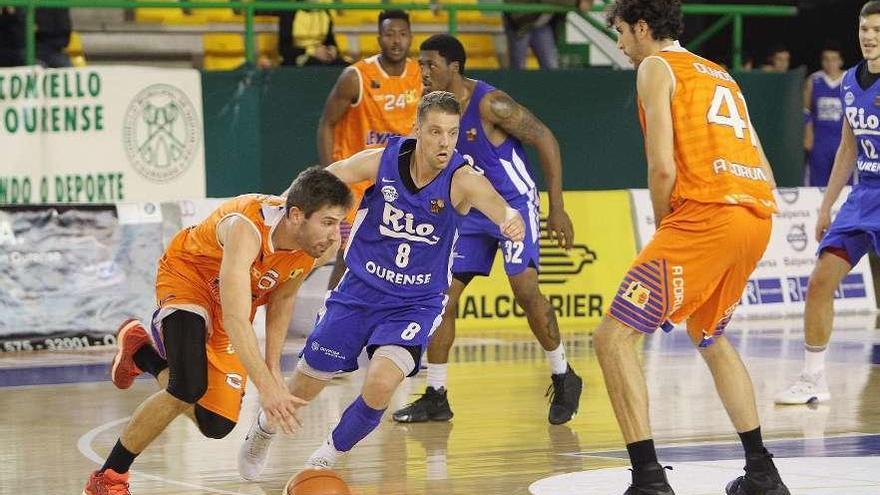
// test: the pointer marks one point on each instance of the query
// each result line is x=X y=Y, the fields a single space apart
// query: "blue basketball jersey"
x=402 y=241
x=506 y=165
x=862 y=110
x=826 y=109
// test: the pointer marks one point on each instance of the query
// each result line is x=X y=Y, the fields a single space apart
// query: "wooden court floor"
x=499 y=441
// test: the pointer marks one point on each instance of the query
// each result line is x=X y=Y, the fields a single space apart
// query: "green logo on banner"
x=161 y=132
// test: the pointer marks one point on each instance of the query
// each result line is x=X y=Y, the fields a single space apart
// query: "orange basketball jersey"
x=386 y=107
x=716 y=148
x=195 y=253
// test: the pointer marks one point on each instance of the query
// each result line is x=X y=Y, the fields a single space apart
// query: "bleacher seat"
x=355 y=31
x=356 y=17
x=442 y=17
x=176 y=15
x=225 y=51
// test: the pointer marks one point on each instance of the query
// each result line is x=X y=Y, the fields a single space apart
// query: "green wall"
x=260 y=125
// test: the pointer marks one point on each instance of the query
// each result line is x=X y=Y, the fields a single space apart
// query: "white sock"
x=437 y=375
x=558 y=364
x=263 y=423
x=814 y=360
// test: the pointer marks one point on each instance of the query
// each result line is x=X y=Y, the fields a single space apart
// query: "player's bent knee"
x=603 y=336
x=528 y=298
x=401 y=357
x=525 y=290
x=303 y=367
x=211 y=424
x=188 y=384
x=185 y=337
x=187 y=390
x=611 y=333
x=821 y=284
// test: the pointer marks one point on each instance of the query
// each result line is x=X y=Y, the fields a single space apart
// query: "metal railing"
x=730 y=14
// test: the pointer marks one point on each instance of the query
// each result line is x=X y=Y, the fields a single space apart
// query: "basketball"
x=317 y=482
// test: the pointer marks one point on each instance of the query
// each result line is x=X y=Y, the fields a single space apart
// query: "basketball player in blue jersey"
x=823 y=110
x=391 y=298
x=493 y=130
x=856 y=229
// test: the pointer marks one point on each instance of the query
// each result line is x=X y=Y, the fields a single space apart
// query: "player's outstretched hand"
x=822 y=223
x=281 y=408
x=560 y=228
x=513 y=227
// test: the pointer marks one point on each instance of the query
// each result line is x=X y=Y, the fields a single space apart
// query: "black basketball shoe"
x=649 y=480
x=565 y=396
x=431 y=406
x=761 y=478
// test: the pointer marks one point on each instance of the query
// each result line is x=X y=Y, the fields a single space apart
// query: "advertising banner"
x=578 y=283
x=69 y=275
x=778 y=285
x=100 y=135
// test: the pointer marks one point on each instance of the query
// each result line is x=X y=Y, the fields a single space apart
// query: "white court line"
x=84 y=444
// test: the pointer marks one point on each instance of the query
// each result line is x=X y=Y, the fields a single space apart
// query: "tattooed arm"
x=499 y=109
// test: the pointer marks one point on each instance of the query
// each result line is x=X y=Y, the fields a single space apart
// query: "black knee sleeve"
x=184 y=334
x=211 y=424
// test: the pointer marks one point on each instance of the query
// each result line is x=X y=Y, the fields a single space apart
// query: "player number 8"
x=411 y=330
x=402 y=258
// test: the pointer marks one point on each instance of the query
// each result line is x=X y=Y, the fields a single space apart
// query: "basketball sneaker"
x=254 y=451
x=565 y=396
x=107 y=482
x=808 y=388
x=649 y=480
x=431 y=406
x=761 y=478
x=325 y=457
x=130 y=337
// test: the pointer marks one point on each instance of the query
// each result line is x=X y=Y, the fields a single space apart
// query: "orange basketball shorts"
x=695 y=268
x=358 y=189
x=227 y=377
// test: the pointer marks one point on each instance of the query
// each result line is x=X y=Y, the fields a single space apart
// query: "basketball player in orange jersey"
x=374 y=99
x=711 y=192
x=253 y=250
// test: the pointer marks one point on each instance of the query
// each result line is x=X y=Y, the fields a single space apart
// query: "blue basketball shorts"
x=356 y=316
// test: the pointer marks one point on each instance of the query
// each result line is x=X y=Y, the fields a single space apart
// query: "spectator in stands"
x=11 y=37
x=305 y=37
x=778 y=60
x=538 y=30
x=53 y=36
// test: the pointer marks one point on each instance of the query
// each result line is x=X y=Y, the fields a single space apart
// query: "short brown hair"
x=315 y=188
x=443 y=101
x=870 y=8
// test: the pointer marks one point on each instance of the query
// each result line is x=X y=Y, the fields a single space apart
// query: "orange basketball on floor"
x=317 y=482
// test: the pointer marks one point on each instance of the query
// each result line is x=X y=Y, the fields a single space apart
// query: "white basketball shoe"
x=254 y=451
x=807 y=389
